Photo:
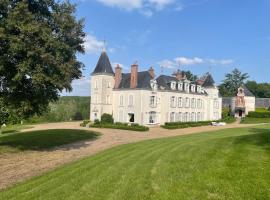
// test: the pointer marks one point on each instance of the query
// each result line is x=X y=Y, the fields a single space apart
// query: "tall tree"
x=3 y=115
x=39 y=42
x=260 y=90
x=190 y=75
x=232 y=82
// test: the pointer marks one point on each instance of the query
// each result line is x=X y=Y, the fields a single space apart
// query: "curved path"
x=17 y=167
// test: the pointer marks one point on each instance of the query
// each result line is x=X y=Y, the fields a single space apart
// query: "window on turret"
x=108 y=84
x=96 y=85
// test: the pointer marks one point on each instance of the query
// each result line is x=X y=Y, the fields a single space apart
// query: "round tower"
x=102 y=84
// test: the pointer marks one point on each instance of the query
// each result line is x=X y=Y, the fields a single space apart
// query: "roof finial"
x=104 y=45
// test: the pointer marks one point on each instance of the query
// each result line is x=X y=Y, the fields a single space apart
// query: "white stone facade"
x=155 y=105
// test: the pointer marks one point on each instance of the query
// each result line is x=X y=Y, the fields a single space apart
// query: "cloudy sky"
x=196 y=35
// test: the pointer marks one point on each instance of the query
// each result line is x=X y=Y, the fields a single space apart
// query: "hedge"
x=123 y=126
x=259 y=114
x=178 y=125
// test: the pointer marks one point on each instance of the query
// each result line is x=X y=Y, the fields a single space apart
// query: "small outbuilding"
x=243 y=102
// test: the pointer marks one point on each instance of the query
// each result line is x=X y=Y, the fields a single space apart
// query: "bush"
x=85 y=122
x=225 y=113
x=96 y=122
x=259 y=114
x=106 y=119
x=123 y=126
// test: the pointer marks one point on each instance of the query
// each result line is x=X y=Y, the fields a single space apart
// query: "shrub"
x=85 y=122
x=123 y=126
x=96 y=122
x=225 y=112
x=106 y=119
x=259 y=114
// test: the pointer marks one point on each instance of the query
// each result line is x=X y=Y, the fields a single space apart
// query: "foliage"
x=260 y=90
x=261 y=110
x=85 y=122
x=179 y=125
x=255 y=114
x=221 y=165
x=251 y=120
x=3 y=114
x=122 y=126
x=39 y=43
x=78 y=116
x=190 y=76
x=65 y=109
x=45 y=139
x=232 y=82
x=106 y=119
x=226 y=112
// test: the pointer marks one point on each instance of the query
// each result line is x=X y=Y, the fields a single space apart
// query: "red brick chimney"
x=151 y=72
x=117 y=76
x=134 y=76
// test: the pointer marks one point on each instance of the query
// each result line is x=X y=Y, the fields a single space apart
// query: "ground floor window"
x=131 y=117
x=172 y=117
x=152 y=117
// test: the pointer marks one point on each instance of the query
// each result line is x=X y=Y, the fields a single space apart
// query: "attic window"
x=173 y=85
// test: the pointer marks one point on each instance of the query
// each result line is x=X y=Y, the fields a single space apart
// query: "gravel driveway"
x=17 y=167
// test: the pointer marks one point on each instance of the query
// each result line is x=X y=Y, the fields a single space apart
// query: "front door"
x=240 y=113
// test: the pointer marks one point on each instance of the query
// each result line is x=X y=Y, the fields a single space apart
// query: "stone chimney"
x=134 y=76
x=117 y=76
x=151 y=72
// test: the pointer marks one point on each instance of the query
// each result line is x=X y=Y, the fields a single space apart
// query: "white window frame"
x=121 y=100
x=180 y=102
x=173 y=102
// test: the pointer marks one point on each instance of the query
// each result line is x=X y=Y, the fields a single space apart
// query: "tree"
x=232 y=82
x=3 y=115
x=190 y=75
x=260 y=90
x=39 y=42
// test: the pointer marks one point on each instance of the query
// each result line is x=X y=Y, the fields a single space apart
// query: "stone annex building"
x=140 y=97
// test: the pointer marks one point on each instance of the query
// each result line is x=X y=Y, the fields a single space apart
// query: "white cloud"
x=167 y=64
x=124 y=4
x=188 y=61
x=92 y=44
x=145 y=7
x=171 y=64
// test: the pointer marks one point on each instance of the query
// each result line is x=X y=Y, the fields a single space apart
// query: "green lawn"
x=40 y=140
x=230 y=164
x=14 y=128
x=251 y=120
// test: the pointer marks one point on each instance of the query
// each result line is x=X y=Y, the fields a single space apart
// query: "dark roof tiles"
x=103 y=65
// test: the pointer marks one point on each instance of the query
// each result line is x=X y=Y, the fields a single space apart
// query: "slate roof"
x=164 y=81
x=247 y=91
x=103 y=65
x=208 y=81
x=143 y=80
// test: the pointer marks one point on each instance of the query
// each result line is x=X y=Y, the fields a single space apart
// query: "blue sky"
x=197 y=35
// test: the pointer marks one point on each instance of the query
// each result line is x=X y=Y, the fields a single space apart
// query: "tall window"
x=216 y=104
x=187 y=101
x=180 y=102
x=152 y=117
x=153 y=101
x=108 y=84
x=172 y=117
x=180 y=86
x=121 y=101
x=199 y=117
x=199 y=103
x=179 y=117
x=108 y=99
x=173 y=102
x=96 y=85
x=193 y=103
x=130 y=100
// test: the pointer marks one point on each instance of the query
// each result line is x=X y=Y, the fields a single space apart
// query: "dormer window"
x=173 y=85
x=192 y=88
x=180 y=86
x=187 y=87
x=199 y=88
x=153 y=84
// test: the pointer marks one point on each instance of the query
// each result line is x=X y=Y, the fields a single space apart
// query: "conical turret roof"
x=104 y=65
